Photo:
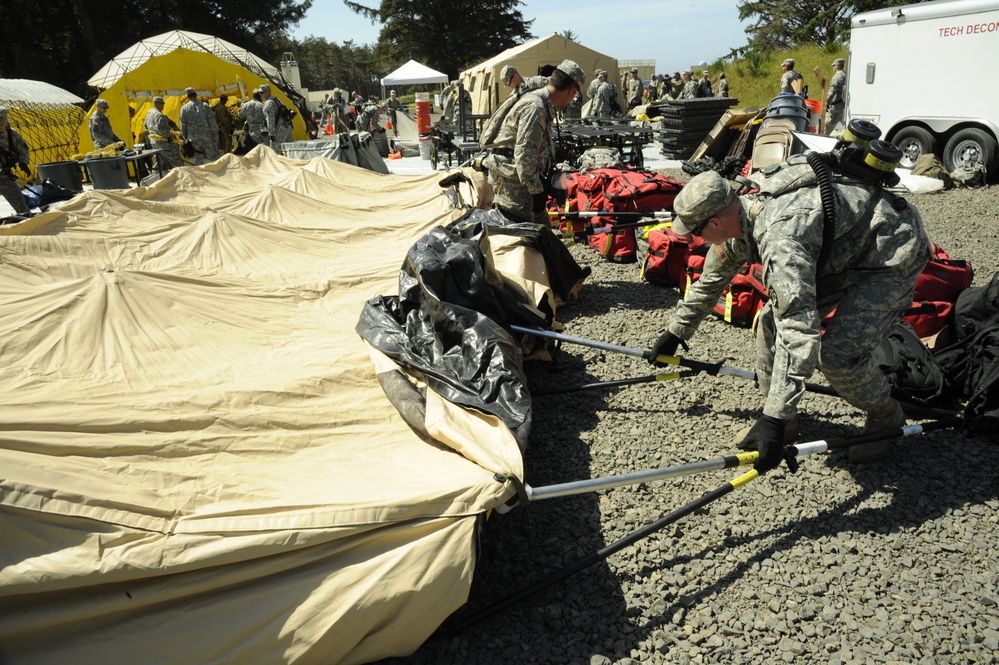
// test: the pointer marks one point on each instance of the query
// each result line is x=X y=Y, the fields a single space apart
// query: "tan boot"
x=790 y=434
x=890 y=418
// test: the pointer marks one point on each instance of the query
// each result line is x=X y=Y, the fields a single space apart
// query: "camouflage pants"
x=834 y=117
x=512 y=197
x=865 y=314
x=205 y=150
x=280 y=136
x=11 y=192
x=169 y=153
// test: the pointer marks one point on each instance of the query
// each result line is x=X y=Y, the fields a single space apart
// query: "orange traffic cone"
x=388 y=124
x=329 y=130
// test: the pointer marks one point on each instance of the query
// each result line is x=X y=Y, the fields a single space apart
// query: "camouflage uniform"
x=689 y=90
x=252 y=112
x=836 y=101
x=13 y=151
x=392 y=106
x=601 y=107
x=635 y=90
x=279 y=128
x=522 y=155
x=675 y=86
x=367 y=121
x=789 y=77
x=197 y=124
x=158 y=126
x=704 y=87
x=224 y=120
x=868 y=278
x=723 y=87
x=448 y=110
x=100 y=131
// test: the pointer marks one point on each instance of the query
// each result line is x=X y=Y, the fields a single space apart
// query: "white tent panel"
x=36 y=92
x=412 y=73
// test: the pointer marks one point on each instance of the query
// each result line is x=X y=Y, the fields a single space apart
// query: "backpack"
x=744 y=297
x=285 y=113
x=666 y=262
x=913 y=372
x=943 y=278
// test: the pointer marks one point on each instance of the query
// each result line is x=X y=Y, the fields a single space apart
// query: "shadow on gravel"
x=926 y=477
x=602 y=297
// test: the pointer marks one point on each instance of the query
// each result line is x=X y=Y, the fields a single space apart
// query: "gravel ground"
x=892 y=562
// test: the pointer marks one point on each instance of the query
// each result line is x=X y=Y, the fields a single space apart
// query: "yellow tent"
x=168 y=75
x=483 y=82
x=46 y=117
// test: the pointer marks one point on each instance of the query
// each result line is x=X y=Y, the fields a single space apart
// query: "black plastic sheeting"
x=447 y=321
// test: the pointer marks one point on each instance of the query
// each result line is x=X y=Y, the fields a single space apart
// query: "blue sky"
x=674 y=33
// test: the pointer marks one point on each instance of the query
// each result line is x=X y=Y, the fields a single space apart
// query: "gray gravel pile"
x=893 y=562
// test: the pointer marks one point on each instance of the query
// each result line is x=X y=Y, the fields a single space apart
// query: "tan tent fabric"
x=198 y=464
x=483 y=81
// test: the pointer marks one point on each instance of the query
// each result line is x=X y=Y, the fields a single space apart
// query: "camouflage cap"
x=838 y=61
x=573 y=71
x=687 y=72
x=507 y=74
x=705 y=73
x=789 y=62
x=265 y=87
x=701 y=199
x=103 y=103
x=634 y=70
x=158 y=100
x=3 y=111
x=190 y=91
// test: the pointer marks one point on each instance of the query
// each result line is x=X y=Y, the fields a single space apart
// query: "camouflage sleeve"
x=270 y=116
x=722 y=263
x=213 y=122
x=787 y=250
x=21 y=148
x=529 y=148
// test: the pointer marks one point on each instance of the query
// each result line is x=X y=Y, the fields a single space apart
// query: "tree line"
x=64 y=42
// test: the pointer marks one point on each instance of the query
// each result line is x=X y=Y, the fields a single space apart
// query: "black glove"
x=666 y=346
x=24 y=168
x=768 y=435
x=539 y=202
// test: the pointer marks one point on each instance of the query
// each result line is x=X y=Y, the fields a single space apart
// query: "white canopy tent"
x=413 y=73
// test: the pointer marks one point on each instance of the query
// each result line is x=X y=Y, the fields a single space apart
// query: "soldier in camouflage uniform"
x=278 y=126
x=689 y=86
x=449 y=108
x=367 y=119
x=197 y=125
x=722 y=85
x=635 y=89
x=14 y=153
x=224 y=119
x=837 y=96
x=252 y=112
x=601 y=107
x=868 y=277
x=789 y=76
x=392 y=106
x=704 y=85
x=158 y=130
x=591 y=91
x=675 y=86
x=100 y=126
x=521 y=154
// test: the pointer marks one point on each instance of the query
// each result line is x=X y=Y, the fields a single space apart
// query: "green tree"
x=443 y=35
x=781 y=24
x=64 y=42
x=324 y=65
x=570 y=35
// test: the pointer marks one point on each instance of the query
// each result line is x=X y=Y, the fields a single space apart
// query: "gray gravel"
x=893 y=562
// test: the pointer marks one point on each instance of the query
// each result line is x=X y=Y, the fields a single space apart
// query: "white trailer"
x=922 y=74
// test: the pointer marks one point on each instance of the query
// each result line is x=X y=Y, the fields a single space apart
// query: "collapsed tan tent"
x=198 y=462
x=484 y=84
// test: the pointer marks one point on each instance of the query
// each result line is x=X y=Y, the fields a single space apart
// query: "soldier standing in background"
x=723 y=85
x=787 y=80
x=100 y=126
x=836 y=100
x=159 y=129
x=601 y=107
x=197 y=125
x=522 y=153
x=225 y=122
x=513 y=80
x=14 y=153
x=278 y=119
x=689 y=86
x=367 y=119
x=704 y=85
x=252 y=112
x=634 y=89
x=675 y=86
x=392 y=106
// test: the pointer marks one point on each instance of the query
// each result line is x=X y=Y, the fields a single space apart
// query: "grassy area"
x=755 y=80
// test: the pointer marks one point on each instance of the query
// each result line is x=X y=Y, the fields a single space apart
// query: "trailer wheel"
x=913 y=142
x=968 y=146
